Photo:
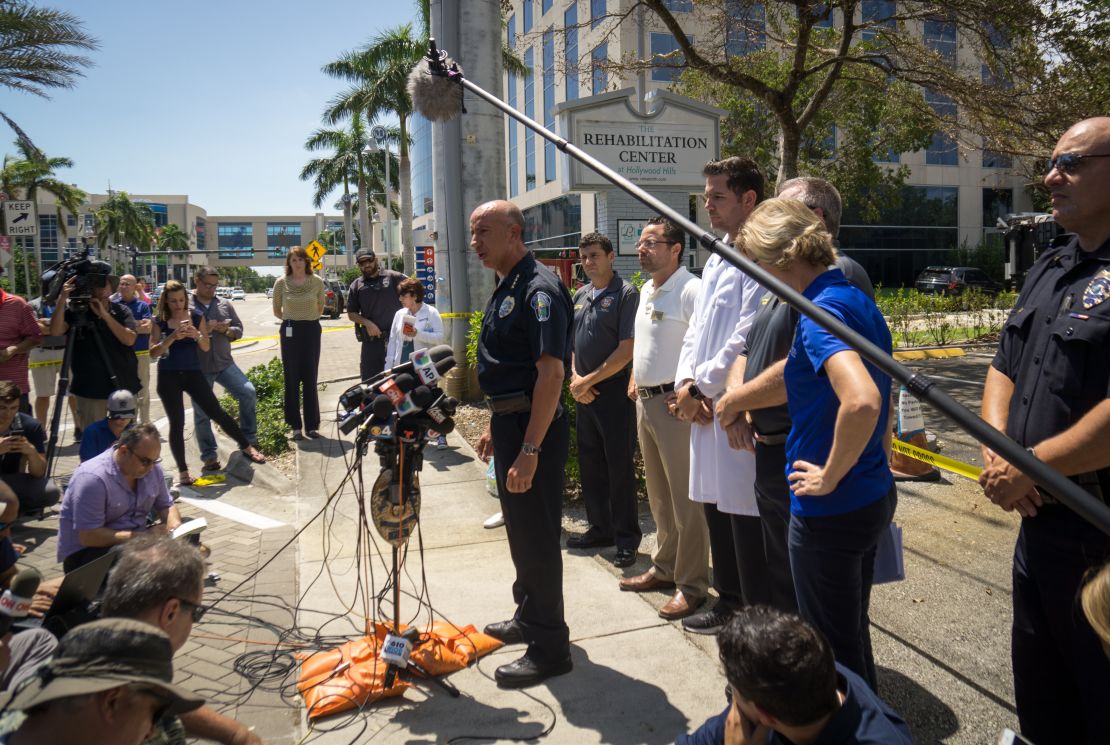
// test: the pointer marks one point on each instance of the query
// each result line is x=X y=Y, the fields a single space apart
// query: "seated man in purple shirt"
x=786 y=688
x=110 y=498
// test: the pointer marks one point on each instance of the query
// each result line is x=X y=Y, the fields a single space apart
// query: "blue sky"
x=210 y=99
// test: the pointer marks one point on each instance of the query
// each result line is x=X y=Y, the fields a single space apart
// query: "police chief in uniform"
x=372 y=301
x=604 y=322
x=1048 y=389
x=523 y=354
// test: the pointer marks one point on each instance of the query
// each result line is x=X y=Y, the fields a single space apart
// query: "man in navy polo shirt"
x=130 y=297
x=786 y=688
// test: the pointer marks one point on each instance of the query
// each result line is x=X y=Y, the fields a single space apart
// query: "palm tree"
x=122 y=222
x=171 y=239
x=24 y=177
x=39 y=50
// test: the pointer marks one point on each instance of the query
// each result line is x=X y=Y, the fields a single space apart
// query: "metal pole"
x=923 y=388
x=348 y=232
x=388 y=214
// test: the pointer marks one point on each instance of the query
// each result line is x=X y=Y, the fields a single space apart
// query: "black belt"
x=1095 y=483
x=509 y=403
x=53 y=349
x=647 y=391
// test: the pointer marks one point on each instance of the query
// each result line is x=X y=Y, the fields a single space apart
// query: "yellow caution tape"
x=966 y=470
x=455 y=315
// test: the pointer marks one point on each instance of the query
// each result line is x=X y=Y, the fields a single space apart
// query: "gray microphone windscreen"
x=437 y=97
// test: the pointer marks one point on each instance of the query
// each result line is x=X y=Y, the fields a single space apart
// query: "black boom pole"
x=1065 y=490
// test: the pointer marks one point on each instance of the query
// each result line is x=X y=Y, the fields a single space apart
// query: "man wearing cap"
x=22 y=453
x=103 y=433
x=160 y=581
x=372 y=301
x=109 y=682
x=104 y=360
x=130 y=297
x=109 y=498
x=219 y=366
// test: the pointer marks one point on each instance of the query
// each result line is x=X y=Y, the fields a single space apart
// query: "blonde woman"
x=175 y=338
x=298 y=302
x=842 y=493
x=1095 y=598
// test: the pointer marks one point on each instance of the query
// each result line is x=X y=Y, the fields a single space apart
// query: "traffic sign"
x=317 y=265
x=315 y=250
x=378 y=132
x=20 y=217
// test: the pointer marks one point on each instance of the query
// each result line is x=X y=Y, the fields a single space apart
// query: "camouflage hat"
x=364 y=253
x=102 y=655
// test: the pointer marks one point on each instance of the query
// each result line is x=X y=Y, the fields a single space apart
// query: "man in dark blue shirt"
x=1049 y=389
x=523 y=358
x=787 y=689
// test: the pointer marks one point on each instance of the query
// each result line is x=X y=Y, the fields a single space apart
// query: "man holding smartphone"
x=22 y=453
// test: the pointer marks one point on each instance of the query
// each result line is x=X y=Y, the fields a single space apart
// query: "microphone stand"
x=921 y=386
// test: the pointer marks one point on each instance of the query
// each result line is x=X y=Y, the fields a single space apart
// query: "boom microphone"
x=16 y=600
x=433 y=86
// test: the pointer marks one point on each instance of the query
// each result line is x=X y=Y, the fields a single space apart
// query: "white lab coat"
x=429 y=332
x=728 y=302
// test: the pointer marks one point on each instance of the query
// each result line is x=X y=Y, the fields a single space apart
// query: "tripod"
x=82 y=324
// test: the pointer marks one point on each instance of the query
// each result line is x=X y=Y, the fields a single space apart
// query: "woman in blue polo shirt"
x=842 y=494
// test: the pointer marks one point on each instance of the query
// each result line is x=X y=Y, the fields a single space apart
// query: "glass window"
x=877 y=13
x=597 y=12
x=421 y=165
x=996 y=203
x=599 y=78
x=554 y=224
x=201 y=231
x=280 y=237
x=664 y=70
x=942 y=150
x=48 y=238
x=819 y=10
x=991 y=159
x=570 y=51
x=526 y=12
x=514 y=141
x=679 y=6
x=530 y=112
x=510 y=31
x=940 y=36
x=546 y=5
x=549 y=103
x=71 y=220
x=235 y=240
x=747 y=31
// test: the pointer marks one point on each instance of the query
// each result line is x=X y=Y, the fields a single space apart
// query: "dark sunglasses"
x=165 y=703
x=198 y=610
x=1068 y=163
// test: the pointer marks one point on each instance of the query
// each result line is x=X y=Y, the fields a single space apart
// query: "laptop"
x=79 y=588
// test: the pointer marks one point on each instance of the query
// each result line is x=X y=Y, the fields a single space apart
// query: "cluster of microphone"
x=403 y=396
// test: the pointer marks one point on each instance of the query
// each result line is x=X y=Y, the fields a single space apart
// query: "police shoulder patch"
x=507 y=306
x=541 y=304
x=1098 y=290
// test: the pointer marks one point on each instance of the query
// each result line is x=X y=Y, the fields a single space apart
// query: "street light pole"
x=348 y=230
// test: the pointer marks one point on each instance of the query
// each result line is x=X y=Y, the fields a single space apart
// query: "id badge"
x=289 y=331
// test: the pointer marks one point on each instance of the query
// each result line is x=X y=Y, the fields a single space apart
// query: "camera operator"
x=22 y=448
x=106 y=339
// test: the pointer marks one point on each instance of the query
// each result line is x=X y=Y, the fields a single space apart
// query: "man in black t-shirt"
x=22 y=448
x=372 y=301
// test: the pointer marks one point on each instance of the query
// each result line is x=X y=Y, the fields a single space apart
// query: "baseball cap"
x=121 y=405
x=102 y=655
x=364 y=253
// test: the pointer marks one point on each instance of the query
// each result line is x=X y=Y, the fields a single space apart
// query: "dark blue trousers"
x=833 y=562
x=1061 y=674
x=772 y=497
x=534 y=521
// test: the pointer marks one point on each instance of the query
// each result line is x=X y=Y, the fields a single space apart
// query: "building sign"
x=628 y=235
x=666 y=146
x=426 y=271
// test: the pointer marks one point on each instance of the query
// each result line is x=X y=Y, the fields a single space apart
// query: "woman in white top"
x=407 y=335
x=426 y=332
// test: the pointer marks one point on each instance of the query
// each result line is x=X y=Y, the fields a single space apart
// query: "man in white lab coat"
x=721 y=478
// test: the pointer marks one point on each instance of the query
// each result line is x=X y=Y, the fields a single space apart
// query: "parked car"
x=238 y=294
x=269 y=293
x=335 y=298
x=155 y=294
x=224 y=292
x=953 y=280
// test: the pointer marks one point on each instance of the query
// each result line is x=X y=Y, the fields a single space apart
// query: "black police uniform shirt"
x=602 y=322
x=772 y=335
x=90 y=375
x=1055 y=345
x=30 y=428
x=373 y=301
x=528 y=315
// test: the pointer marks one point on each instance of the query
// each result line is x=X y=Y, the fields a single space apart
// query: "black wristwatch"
x=695 y=393
x=529 y=449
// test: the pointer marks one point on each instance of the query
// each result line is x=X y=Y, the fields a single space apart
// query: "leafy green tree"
x=40 y=49
x=124 y=224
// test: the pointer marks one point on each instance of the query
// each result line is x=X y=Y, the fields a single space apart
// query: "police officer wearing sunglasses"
x=1049 y=389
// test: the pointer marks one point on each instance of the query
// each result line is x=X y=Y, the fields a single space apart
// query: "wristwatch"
x=528 y=448
x=695 y=393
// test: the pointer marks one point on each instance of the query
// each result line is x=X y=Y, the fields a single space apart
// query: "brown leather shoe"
x=679 y=606
x=645 y=582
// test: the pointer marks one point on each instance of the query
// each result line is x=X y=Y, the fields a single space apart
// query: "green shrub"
x=269 y=384
x=473 y=331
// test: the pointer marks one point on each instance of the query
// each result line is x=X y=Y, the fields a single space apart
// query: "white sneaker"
x=495 y=520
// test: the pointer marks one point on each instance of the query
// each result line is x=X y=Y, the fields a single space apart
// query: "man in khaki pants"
x=681 y=557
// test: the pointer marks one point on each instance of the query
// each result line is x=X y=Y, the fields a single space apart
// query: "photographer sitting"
x=22 y=448
x=102 y=348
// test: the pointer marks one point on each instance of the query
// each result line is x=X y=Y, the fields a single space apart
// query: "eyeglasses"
x=163 y=703
x=210 y=285
x=144 y=462
x=198 y=609
x=1068 y=163
x=651 y=243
